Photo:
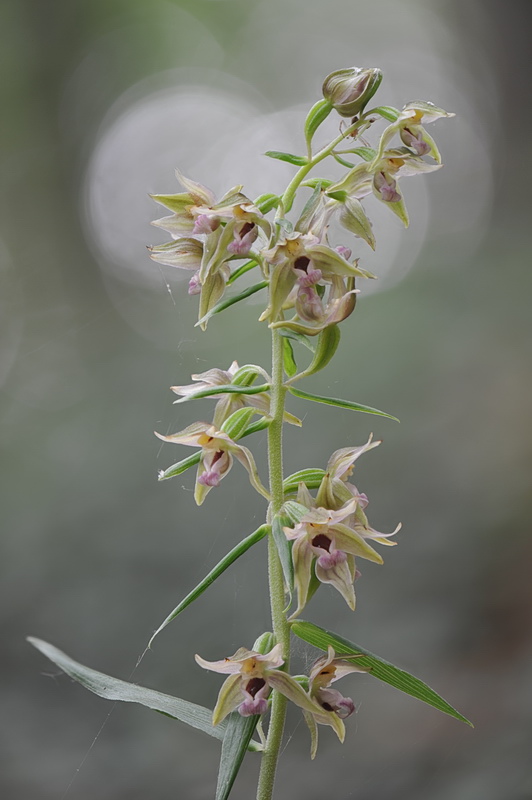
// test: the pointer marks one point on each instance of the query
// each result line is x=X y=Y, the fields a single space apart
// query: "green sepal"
x=237 y=737
x=328 y=341
x=388 y=112
x=297 y=161
x=246 y=267
x=225 y=388
x=266 y=202
x=294 y=511
x=284 y=550
x=215 y=573
x=289 y=362
x=317 y=114
x=181 y=466
x=230 y=301
x=376 y=666
x=334 y=401
x=259 y=425
x=312 y=479
x=235 y=425
x=115 y=689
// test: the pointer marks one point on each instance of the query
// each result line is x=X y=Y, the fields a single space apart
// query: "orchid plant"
x=313 y=539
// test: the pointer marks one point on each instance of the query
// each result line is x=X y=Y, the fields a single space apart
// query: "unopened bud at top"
x=349 y=90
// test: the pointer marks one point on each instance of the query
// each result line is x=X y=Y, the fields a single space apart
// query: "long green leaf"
x=215 y=573
x=378 y=667
x=342 y=161
x=297 y=161
x=284 y=551
x=289 y=362
x=227 y=388
x=241 y=271
x=299 y=337
x=334 y=401
x=114 y=689
x=230 y=301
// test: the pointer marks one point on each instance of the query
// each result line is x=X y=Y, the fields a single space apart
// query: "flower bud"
x=349 y=90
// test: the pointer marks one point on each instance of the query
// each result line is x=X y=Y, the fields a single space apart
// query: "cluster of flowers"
x=252 y=676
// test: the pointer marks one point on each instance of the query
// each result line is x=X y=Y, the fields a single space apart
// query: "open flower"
x=324 y=671
x=229 y=403
x=412 y=134
x=251 y=677
x=314 y=313
x=217 y=451
x=325 y=545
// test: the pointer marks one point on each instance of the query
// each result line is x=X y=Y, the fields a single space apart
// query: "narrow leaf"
x=181 y=466
x=378 y=667
x=334 y=401
x=343 y=161
x=235 y=425
x=317 y=114
x=215 y=573
x=255 y=427
x=298 y=161
x=367 y=153
x=312 y=479
x=328 y=341
x=284 y=550
x=241 y=271
x=289 y=362
x=230 y=301
x=114 y=689
x=313 y=182
x=226 y=388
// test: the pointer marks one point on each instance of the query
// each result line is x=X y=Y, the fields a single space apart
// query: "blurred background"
x=101 y=100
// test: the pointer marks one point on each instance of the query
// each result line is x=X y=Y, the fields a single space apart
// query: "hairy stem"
x=281 y=628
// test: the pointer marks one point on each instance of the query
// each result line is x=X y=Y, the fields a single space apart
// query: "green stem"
x=281 y=628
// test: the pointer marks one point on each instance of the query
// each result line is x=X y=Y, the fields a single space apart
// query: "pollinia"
x=316 y=523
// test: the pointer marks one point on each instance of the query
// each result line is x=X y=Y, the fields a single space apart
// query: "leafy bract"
x=297 y=161
x=230 y=301
x=335 y=401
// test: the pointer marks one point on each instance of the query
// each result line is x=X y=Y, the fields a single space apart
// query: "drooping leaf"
x=297 y=161
x=334 y=401
x=377 y=667
x=289 y=362
x=226 y=388
x=317 y=114
x=230 y=301
x=313 y=182
x=343 y=161
x=284 y=550
x=328 y=341
x=312 y=479
x=265 y=202
x=241 y=271
x=215 y=573
x=115 y=689
x=180 y=466
x=367 y=153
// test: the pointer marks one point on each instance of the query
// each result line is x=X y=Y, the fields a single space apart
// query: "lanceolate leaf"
x=298 y=161
x=229 y=301
x=241 y=271
x=334 y=401
x=377 y=667
x=227 y=388
x=299 y=337
x=312 y=478
x=215 y=573
x=114 y=689
x=284 y=550
x=343 y=161
x=328 y=341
